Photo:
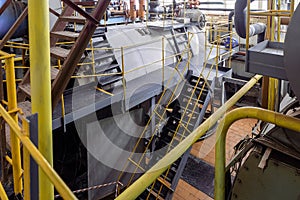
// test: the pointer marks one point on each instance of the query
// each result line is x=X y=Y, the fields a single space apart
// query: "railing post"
x=123 y=73
x=15 y=142
x=163 y=61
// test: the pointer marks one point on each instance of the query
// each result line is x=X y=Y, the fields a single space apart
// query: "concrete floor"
x=205 y=151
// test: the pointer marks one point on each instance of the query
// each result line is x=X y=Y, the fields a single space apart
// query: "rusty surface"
x=63 y=77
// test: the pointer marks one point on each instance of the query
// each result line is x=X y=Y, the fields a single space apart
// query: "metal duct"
x=240 y=22
x=13 y=11
x=291 y=54
x=9 y=16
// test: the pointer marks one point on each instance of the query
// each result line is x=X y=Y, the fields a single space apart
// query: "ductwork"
x=13 y=11
x=9 y=16
x=240 y=21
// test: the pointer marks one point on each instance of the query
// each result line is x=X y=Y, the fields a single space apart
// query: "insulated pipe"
x=240 y=22
x=9 y=16
x=278 y=119
x=135 y=189
x=142 y=9
x=132 y=10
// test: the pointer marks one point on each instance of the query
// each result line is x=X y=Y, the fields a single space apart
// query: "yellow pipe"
x=39 y=42
x=61 y=187
x=272 y=93
x=3 y=194
x=234 y=115
x=145 y=180
x=26 y=162
x=15 y=143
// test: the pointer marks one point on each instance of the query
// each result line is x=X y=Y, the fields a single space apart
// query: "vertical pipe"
x=132 y=11
x=247 y=24
x=39 y=43
x=26 y=162
x=15 y=142
x=142 y=9
x=2 y=132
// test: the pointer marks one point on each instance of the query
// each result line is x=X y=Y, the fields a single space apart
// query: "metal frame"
x=145 y=180
x=234 y=115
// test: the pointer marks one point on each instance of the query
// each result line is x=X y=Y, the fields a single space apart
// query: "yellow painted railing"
x=234 y=115
x=145 y=180
x=18 y=135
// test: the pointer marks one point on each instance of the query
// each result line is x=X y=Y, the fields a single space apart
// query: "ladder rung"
x=76 y=19
x=67 y=35
x=59 y=53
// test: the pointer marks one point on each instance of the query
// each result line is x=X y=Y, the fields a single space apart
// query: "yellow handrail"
x=145 y=180
x=3 y=194
x=234 y=115
x=61 y=187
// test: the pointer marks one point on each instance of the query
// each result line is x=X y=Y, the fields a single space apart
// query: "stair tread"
x=155 y=194
x=59 y=53
x=103 y=81
x=25 y=107
x=54 y=73
x=106 y=55
x=194 y=99
x=77 y=19
x=25 y=88
x=106 y=68
x=68 y=35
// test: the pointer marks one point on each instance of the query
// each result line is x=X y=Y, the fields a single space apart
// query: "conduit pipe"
x=135 y=189
x=240 y=22
x=234 y=115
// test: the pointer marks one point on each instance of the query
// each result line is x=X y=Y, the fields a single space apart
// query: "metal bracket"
x=263 y=162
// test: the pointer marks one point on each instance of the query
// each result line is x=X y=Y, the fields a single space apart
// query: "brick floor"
x=205 y=151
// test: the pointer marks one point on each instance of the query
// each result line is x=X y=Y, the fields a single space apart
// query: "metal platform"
x=266 y=58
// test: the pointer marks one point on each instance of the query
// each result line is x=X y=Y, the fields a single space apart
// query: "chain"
x=117 y=183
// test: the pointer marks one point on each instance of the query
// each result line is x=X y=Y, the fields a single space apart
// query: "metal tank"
x=13 y=11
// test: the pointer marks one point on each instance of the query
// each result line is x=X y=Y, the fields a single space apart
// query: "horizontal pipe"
x=134 y=190
x=234 y=115
x=61 y=187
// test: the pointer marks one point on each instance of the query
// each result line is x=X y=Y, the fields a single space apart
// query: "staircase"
x=173 y=123
x=181 y=39
x=68 y=57
x=105 y=61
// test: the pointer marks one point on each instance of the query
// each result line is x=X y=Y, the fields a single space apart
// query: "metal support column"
x=39 y=43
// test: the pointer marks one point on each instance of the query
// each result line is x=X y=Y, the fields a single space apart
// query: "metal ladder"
x=179 y=118
x=188 y=115
x=181 y=41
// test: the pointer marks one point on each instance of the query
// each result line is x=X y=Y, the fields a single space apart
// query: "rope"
x=95 y=187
